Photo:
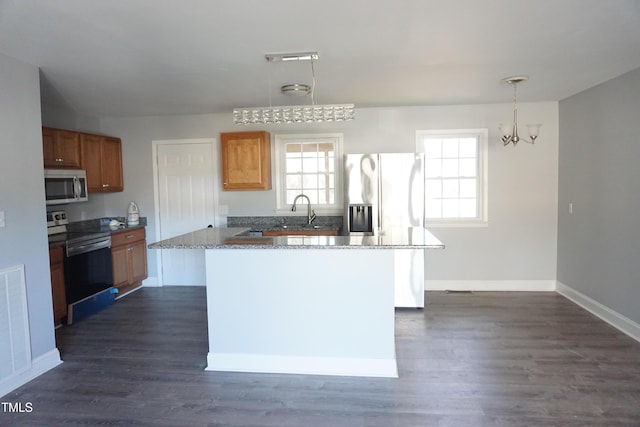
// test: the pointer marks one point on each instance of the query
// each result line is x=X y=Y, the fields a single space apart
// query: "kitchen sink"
x=298 y=227
x=292 y=230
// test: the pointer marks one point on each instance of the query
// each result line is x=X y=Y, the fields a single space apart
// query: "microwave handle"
x=76 y=187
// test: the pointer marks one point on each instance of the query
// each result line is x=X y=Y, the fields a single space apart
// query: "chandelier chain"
x=313 y=84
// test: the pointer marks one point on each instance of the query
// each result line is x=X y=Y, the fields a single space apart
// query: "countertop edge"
x=232 y=238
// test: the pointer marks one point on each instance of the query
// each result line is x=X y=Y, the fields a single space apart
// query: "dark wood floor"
x=482 y=359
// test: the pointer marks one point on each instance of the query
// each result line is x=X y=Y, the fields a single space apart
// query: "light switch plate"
x=2 y=223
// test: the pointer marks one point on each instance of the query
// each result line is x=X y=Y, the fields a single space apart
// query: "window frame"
x=482 y=202
x=282 y=207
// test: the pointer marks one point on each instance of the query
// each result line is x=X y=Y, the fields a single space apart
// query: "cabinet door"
x=246 y=160
x=129 y=255
x=61 y=148
x=102 y=159
x=111 y=155
x=48 y=148
x=57 y=285
x=58 y=293
x=119 y=256
x=138 y=262
x=90 y=149
x=67 y=146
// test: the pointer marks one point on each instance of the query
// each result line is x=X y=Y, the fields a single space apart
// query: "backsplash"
x=91 y=225
x=263 y=222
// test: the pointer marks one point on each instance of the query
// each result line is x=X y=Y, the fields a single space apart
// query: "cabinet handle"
x=59 y=160
x=105 y=185
x=129 y=236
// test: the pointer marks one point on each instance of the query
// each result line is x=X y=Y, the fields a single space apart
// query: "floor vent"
x=458 y=292
x=15 y=348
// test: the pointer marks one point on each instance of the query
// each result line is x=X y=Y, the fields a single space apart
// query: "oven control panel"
x=57 y=218
x=56 y=222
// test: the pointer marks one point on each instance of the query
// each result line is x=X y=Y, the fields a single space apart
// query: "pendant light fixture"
x=510 y=132
x=312 y=113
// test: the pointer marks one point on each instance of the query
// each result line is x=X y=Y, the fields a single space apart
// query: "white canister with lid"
x=133 y=214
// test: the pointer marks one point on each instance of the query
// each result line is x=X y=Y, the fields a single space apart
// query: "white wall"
x=24 y=239
x=599 y=244
x=64 y=118
x=519 y=242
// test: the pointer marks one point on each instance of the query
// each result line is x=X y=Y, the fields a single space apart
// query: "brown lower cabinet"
x=56 y=265
x=129 y=253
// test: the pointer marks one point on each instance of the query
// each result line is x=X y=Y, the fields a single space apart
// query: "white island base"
x=312 y=311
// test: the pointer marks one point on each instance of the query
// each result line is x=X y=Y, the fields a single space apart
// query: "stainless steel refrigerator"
x=384 y=193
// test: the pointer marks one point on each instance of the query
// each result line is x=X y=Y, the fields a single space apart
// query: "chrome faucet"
x=311 y=215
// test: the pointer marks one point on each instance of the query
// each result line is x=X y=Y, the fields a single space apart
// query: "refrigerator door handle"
x=380 y=201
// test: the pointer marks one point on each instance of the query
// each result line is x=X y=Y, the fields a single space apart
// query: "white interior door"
x=185 y=202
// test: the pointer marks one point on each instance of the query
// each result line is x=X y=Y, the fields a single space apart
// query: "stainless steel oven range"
x=87 y=265
x=88 y=268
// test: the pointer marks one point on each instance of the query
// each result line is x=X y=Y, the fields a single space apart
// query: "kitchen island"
x=301 y=304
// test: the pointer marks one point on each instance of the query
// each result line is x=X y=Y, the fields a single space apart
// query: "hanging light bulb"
x=510 y=132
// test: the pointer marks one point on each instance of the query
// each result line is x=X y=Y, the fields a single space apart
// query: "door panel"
x=186 y=203
x=401 y=190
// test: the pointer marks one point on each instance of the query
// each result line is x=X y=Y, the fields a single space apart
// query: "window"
x=455 y=180
x=310 y=165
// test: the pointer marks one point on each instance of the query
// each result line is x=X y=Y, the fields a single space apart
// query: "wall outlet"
x=2 y=223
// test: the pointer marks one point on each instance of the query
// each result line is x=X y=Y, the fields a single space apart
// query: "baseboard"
x=269 y=363
x=615 y=319
x=491 y=285
x=151 y=282
x=39 y=366
x=129 y=292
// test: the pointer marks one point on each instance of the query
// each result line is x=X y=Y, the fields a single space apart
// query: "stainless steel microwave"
x=62 y=186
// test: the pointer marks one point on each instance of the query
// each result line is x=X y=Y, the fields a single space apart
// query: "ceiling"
x=166 y=57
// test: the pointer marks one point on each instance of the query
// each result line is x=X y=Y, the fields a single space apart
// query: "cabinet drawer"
x=127 y=236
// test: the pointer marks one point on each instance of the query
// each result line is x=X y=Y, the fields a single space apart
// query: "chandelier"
x=312 y=113
x=510 y=133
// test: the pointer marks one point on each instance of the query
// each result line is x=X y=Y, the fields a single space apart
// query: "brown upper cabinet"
x=246 y=160
x=102 y=159
x=99 y=155
x=61 y=148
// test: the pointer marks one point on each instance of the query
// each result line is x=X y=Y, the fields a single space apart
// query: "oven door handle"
x=88 y=247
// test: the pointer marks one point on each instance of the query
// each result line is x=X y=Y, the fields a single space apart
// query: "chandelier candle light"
x=294 y=114
x=510 y=133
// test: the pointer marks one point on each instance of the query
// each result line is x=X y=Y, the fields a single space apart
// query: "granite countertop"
x=83 y=229
x=239 y=238
x=112 y=230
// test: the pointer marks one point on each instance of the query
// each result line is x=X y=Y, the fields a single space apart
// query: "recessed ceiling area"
x=163 y=57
